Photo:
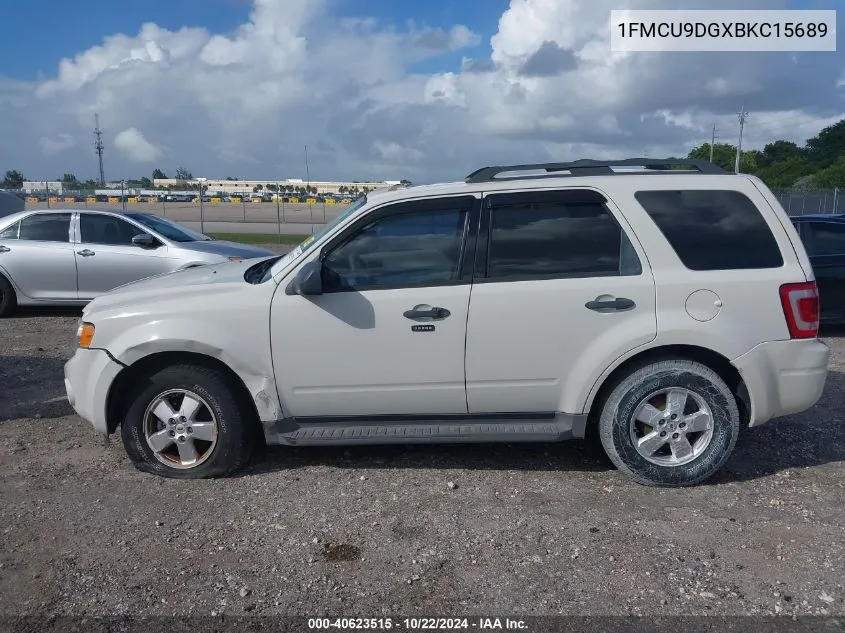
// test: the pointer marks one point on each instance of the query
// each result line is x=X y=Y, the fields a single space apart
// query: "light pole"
x=202 y=211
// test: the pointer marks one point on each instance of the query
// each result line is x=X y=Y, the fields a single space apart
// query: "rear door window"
x=713 y=230
x=46 y=227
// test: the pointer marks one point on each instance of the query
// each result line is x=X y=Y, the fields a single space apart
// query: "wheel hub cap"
x=671 y=427
x=180 y=429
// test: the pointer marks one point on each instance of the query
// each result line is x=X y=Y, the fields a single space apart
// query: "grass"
x=259 y=238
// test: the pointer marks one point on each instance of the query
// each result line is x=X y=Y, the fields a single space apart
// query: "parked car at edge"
x=68 y=257
x=823 y=236
x=663 y=308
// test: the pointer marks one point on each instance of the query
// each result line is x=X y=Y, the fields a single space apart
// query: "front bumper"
x=783 y=377
x=88 y=377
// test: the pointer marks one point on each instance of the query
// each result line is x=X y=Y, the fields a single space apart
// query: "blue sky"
x=388 y=101
x=28 y=56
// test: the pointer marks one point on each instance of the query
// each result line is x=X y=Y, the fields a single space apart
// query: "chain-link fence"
x=815 y=201
x=290 y=209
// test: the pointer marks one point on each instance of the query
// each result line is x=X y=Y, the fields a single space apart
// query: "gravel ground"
x=529 y=530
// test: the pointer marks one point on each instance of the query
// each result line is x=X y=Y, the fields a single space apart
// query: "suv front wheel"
x=670 y=423
x=186 y=423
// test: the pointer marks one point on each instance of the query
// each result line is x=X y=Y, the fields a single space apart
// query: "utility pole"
x=307 y=175
x=743 y=115
x=712 y=142
x=98 y=146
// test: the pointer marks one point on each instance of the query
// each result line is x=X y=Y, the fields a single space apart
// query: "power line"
x=743 y=115
x=712 y=142
x=98 y=146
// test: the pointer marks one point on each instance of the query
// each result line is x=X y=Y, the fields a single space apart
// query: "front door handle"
x=426 y=312
x=85 y=253
x=610 y=305
x=4 y=249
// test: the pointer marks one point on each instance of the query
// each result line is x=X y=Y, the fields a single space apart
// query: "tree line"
x=818 y=164
x=14 y=179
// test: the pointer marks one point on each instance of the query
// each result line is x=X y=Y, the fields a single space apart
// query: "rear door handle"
x=426 y=312
x=4 y=249
x=85 y=253
x=610 y=305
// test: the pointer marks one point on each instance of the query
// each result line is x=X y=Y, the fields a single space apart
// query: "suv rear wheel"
x=670 y=423
x=186 y=423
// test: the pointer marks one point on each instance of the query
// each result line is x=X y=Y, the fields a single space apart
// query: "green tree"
x=183 y=174
x=783 y=174
x=832 y=177
x=159 y=175
x=13 y=179
x=779 y=151
x=69 y=181
x=724 y=155
x=827 y=146
x=146 y=183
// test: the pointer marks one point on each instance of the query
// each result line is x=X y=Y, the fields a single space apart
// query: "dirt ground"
x=373 y=531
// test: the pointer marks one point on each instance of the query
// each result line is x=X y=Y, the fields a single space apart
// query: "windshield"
x=168 y=228
x=313 y=239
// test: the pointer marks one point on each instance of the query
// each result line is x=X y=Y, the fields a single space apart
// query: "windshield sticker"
x=287 y=259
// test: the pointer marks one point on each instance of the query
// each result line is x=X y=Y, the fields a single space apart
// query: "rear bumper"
x=88 y=377
x=783 y=377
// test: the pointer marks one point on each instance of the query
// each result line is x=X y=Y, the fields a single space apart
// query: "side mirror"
x=308 y=280
x=145 y=240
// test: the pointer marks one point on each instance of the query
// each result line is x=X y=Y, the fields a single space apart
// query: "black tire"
x=620 y=407
x=8 y=298
x=236 y=432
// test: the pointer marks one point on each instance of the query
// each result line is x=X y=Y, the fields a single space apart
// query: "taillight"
x=801 y=308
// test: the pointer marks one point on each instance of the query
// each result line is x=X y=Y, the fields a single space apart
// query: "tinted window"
x=10 y=232
x=713 y=230
x=106 y=229
x=556 y=240
x=46 y=227
x=407 y=249
x=827 y=238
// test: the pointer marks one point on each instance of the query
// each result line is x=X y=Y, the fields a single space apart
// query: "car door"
x=37 y=256
x=387 y=335
x=825 y=241
x=107 y=258
x=559 y=289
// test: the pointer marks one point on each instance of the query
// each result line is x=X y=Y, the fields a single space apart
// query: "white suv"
x=663 y=304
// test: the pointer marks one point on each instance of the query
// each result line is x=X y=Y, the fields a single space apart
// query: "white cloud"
x=62 y=142
x=135 y=147
x=293 y=74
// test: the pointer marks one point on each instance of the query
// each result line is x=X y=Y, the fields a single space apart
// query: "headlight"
x=85 y=334
x=235 y=259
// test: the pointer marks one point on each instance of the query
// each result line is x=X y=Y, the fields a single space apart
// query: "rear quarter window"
x=713 y=230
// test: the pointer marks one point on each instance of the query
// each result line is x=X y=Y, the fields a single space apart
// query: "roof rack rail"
x=587 y=167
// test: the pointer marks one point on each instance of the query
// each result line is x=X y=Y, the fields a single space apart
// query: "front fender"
x=245 y=351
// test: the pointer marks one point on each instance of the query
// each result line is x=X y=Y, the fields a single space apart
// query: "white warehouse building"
x=213 y=185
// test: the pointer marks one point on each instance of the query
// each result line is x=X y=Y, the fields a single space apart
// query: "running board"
x=434 y=430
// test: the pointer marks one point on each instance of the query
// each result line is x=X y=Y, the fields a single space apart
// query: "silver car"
x=68 y=257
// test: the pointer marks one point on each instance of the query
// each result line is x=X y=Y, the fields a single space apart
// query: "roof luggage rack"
x=587 y=167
